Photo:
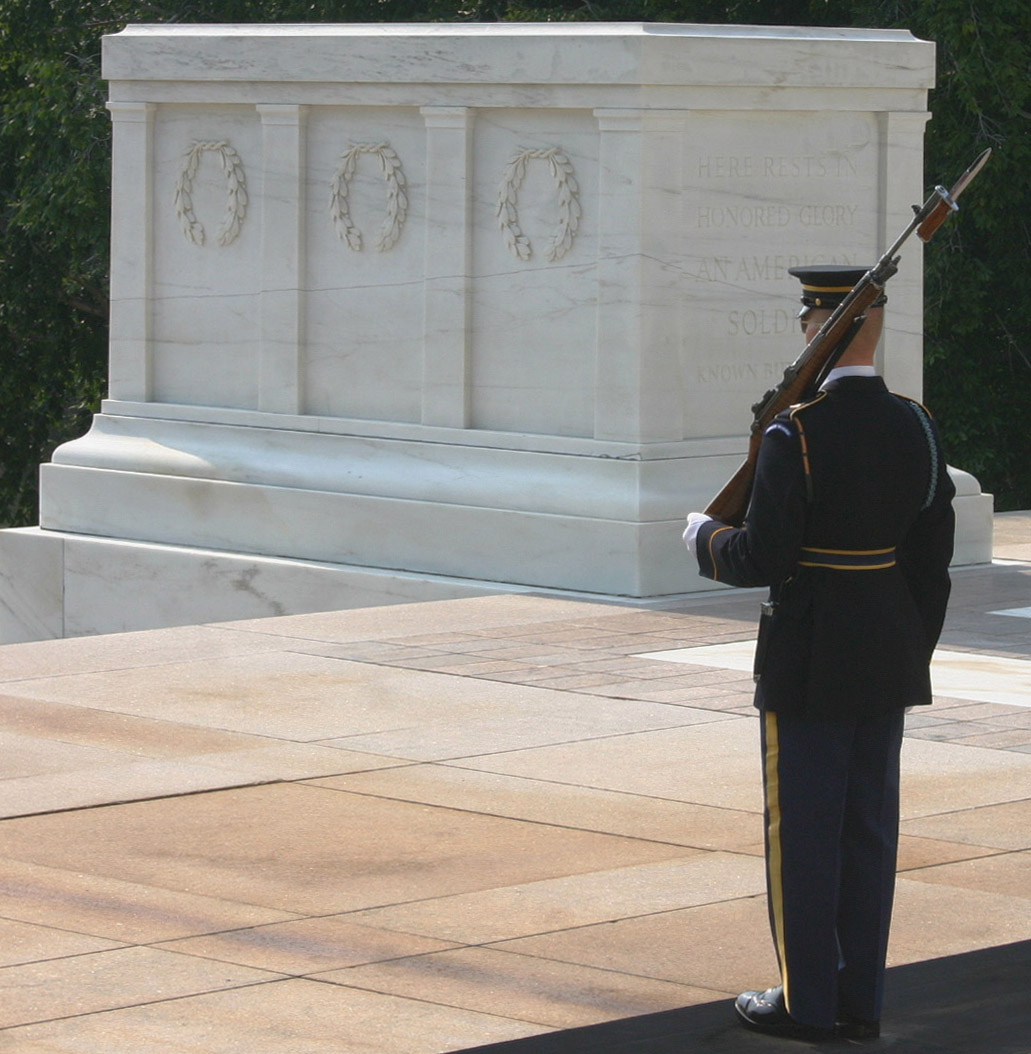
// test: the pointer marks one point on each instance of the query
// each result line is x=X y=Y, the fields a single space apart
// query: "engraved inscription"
x=784 y=166
x=773 y=268
x=752 y=217
x=759 y=206
x=744 y=216
x=827 y=215
x=759 y=323
x=733 y=372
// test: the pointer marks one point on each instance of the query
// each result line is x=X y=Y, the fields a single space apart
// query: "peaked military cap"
x=826 y=285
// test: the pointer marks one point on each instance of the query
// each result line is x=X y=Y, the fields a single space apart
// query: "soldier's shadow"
x=975 y=1003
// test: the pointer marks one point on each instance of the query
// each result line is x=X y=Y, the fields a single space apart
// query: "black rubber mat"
x=975 y=1003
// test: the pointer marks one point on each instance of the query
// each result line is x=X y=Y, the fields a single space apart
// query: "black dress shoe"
x=766 y=1012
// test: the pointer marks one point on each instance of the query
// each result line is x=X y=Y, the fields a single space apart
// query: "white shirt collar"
x=848 y=371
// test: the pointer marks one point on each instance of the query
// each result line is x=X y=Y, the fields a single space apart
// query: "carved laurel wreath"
x=236 y=192
x=568 y=203
x=397 y=199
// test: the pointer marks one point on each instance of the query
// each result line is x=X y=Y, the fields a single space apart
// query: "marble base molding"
x=58 y=584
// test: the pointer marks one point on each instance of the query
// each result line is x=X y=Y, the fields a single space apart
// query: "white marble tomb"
x=419 y=311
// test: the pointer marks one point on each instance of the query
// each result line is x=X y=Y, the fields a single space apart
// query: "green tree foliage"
x=977 y=346
x=53 y=236
x=54 y=212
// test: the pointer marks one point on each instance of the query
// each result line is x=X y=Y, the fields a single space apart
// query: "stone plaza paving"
x=483 y=824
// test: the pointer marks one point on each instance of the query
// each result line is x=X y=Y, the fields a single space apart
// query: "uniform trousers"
x=832 y=820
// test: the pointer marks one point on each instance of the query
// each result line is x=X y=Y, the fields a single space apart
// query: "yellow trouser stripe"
x=773 y=836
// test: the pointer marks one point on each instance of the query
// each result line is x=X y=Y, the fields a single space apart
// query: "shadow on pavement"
x=975 y=1003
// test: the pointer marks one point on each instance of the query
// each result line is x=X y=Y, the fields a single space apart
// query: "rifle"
x=803 y=377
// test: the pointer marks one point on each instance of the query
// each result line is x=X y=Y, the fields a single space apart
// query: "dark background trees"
x=54 y=211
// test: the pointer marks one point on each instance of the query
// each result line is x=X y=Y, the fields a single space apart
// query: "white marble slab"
x=510 y=53
x=31 y=586
x=974 y=520
x=155 y=586
x=954 y=674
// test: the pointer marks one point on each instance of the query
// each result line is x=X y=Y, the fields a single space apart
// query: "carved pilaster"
x=901 y=186
x=638 y=378
x=445 y=398
x=282 y=258
x=131 y=249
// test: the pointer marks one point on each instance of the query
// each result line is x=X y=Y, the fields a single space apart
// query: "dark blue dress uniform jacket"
x=856 y=471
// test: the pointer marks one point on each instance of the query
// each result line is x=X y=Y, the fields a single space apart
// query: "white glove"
x=694 y=522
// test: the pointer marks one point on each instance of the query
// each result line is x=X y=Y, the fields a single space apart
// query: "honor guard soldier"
x=850 y=524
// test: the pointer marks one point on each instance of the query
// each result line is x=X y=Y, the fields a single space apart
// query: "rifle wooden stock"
x=730 y=505
x=800 y=383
